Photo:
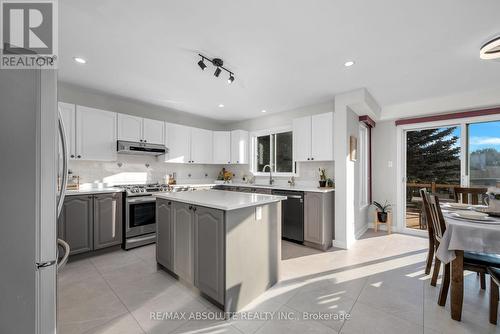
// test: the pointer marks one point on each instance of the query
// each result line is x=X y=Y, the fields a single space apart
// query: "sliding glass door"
x=432 y=162
x=484 y=154
x=441 y=157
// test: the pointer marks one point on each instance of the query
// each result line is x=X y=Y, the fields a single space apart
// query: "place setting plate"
x=456 y=206
x=473 y=216
x=487 y=210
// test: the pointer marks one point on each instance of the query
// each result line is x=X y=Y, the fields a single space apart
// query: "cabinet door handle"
x=308 y=158
x=194 y=208
x=78 y=156
x=169 y=203
x=72 y=155
x=312 y=158
x=190 y=207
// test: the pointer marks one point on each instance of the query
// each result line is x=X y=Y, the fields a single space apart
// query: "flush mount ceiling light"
x=79 y=60
x=219 y=64
x=490 y=50
x=348 y=63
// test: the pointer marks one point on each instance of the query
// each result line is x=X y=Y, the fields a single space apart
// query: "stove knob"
x=143 y=190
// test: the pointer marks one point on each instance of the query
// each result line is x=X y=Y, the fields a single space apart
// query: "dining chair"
x=476 y=194
x=477 y=262
x=430 y=233
x=495 y=282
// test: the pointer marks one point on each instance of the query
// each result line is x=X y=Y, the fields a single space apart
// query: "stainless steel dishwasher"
x=292 y=215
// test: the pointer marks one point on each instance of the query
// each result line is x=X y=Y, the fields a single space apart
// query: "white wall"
x=90 y=98
x=281 y=118
x=350 y=219
x=384 y=153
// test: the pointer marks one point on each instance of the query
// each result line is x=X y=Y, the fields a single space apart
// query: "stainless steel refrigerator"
x=30 y=164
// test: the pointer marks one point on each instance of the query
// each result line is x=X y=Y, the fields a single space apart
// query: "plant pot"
x=322 y=183
x=382 y=217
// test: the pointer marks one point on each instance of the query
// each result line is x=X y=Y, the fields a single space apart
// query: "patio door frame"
x=400 y=211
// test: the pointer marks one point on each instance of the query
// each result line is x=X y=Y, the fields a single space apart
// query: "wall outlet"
x=389 y=163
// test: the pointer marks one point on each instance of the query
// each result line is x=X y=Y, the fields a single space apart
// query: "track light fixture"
x=219 y=64
x=202 y=65
x=217 y=72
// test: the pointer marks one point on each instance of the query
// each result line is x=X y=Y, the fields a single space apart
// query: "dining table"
x=465 y=235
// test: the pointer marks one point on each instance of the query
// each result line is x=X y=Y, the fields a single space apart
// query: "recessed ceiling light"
x=264 y=110
x=348 y=63
x=221 y=105
x=79 y=60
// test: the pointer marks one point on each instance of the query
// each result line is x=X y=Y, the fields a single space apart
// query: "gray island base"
x=227 y=245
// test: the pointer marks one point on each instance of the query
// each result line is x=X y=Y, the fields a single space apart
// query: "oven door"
x=140 y=216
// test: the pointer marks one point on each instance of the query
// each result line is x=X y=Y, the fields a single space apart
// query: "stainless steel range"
x=140 y=213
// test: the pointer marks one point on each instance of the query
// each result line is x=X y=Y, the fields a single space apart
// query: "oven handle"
x=141 y=200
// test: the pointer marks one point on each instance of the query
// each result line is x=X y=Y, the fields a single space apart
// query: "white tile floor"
x=379 y=282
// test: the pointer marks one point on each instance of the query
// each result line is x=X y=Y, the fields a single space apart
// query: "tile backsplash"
x=307 y=173
x=140 y=169
x=131 y=169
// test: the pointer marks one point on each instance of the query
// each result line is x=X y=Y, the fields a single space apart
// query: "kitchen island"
x=226 y=244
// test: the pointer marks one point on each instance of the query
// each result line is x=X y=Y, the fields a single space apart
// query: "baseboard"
x=361 y=231
x=339 y=244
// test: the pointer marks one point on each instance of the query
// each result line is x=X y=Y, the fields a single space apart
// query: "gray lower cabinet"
x=90 y=222
x=209 y=252
x=183 y=230
x=164 y=229
x=318 y=219
x=107 y=220
x=191 y=243
x=75 y=223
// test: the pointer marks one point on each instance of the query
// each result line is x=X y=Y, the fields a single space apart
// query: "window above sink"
x=273 y=147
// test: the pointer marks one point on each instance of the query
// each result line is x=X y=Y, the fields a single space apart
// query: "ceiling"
x=285 y=54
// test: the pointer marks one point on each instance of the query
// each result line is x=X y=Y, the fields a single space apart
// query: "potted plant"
x=382 y=211
x=322 y=177
x=330 y=183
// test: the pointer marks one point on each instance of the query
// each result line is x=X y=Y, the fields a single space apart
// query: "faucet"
x=271 y=181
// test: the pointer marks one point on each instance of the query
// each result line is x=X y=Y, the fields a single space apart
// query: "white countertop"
x=90 y=191
x=220 y=199
x=281 y=187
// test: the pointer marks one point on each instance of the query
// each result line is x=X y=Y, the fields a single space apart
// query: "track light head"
x=231 y=78
x=217 y=72
x=201 y=64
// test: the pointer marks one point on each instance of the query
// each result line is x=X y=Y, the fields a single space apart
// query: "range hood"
x=131 y=147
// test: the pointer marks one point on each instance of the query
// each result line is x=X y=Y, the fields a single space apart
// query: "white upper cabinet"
x=322 y=137
x=178 y=143
x=188 y=145
x=302 y=138
x=222 y=147
x=138 y=129
x=201 y=146
x=68 y=113
x=153 y=131
x=239 y=147
x=313 y=138
x=129 y=128
x=95 y=134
